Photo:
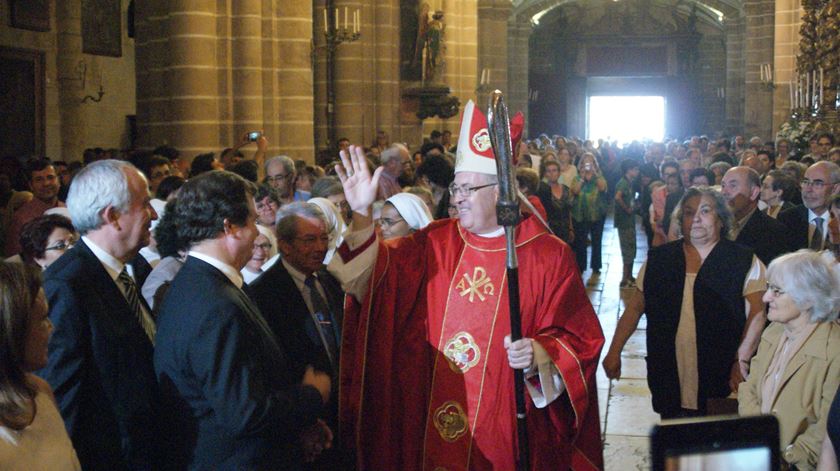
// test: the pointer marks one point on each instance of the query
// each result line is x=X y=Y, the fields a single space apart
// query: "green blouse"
x=590 y=205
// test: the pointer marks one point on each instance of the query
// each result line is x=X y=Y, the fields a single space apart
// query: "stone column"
x=68 y=58
x=292 y=85
x=493 y=42
x=786 y=47
x=209 y=71
x=758 y=49
x=734 y=31
x=519 y=33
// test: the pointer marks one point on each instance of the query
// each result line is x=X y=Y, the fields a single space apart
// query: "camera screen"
x=741 y=459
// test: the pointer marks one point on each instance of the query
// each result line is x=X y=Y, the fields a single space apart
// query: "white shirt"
x=231 y=273
x=113 y=266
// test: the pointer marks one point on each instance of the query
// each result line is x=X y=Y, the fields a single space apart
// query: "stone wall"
x=788 y=18
x=71 y=125
x=209 y=71
x=758 y=49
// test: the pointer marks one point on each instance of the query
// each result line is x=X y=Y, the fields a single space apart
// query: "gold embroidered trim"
x=462 y=351
x=450 y=421
x=479 y=285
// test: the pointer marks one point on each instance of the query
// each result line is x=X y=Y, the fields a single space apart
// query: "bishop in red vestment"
x=426 y=380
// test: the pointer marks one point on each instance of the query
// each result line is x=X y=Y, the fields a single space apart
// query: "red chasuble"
x=425 y=382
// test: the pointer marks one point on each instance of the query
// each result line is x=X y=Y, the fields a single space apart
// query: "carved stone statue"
x=435 y=48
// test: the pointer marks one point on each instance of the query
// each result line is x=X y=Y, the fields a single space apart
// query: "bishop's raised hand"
x=359 y=185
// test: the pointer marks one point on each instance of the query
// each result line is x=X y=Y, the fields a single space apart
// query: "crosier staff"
x=507 y=213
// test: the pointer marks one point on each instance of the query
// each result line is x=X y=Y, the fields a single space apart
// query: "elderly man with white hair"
x=427 y=361
x=100 y=354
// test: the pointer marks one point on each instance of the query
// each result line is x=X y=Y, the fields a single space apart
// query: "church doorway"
x=625 y=118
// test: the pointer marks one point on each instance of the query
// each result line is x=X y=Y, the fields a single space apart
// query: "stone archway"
x=748 y=41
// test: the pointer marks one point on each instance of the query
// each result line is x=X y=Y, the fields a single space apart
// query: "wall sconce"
x=533 y=95
x=766 y=72
x=721 y=92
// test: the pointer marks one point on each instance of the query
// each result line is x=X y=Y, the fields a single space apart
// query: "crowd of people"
x=201 y=314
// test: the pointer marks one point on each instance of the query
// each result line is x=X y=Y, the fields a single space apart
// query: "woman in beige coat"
x=796 y=371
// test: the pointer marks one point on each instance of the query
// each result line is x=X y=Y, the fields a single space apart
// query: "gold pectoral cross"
x=479 y=285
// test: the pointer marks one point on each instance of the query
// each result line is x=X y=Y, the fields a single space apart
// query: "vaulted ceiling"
x=710 y=11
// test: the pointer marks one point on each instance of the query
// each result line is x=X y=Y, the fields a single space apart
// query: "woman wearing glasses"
x=702 y=298
x=403 y=214
x=796 y=372
x=45 y=238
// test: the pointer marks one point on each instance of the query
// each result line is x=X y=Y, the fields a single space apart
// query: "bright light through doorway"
x=626 y=118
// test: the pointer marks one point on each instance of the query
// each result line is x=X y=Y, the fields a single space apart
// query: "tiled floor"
x=626 y=413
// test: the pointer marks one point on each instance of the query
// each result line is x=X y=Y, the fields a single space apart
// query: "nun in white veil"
x=403 y=214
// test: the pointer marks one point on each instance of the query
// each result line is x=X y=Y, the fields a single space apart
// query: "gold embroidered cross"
x=479 y=285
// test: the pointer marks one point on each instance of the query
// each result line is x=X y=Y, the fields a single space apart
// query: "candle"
x=761 y=71
x=821 y=86
x=355 y=21
x=807 y=89
x=345 y=18
x=488 y=76
x=790 y=90
x=326 y=31
x=336 y=19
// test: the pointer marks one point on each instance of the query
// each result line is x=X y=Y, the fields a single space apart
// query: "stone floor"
x=626 y=413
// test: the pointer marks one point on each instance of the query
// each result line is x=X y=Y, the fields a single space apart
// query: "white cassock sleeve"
x=543 y=382
x=353 y=267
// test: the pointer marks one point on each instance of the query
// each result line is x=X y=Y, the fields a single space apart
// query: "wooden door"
x=21 y=103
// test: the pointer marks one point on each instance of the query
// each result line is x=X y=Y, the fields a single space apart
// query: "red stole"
x=470 y=332
x=399 y=343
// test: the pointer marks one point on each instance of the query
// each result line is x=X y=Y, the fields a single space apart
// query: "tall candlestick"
x=326 y=30
x=790 y=90
x=345 y=18
x=807 y=89
x=336 y=19
x=821 y=86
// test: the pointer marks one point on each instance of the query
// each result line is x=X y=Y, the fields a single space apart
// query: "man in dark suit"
x=310 y=336
x=767 y=237
x=229 y=393
x=808 y=223
x=100 y=353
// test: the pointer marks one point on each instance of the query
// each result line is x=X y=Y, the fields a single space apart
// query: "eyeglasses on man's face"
x=808 y=183
x=465 y=190
x=278 y=178
x=312 y=240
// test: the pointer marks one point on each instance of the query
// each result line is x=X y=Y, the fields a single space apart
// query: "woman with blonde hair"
x=32 y=434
